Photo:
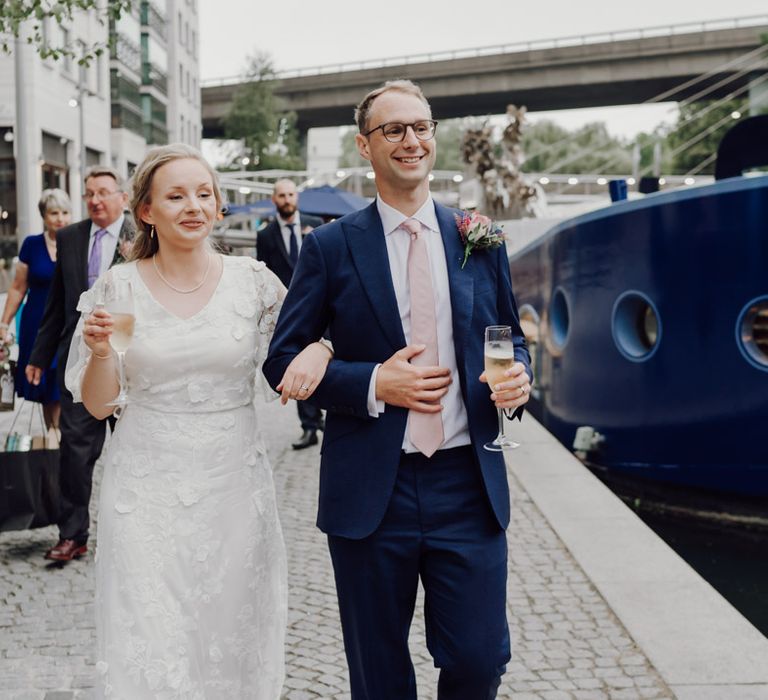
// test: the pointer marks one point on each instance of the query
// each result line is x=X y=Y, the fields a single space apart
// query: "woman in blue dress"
x=34 y=271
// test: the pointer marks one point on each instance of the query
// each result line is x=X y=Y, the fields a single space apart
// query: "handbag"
x=29 y=476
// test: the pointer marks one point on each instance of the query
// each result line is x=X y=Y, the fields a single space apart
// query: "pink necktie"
x=425 y=430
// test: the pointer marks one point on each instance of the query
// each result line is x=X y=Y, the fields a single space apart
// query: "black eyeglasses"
x=395 y=132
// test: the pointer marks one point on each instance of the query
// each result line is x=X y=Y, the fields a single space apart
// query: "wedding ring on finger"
x=303 y=388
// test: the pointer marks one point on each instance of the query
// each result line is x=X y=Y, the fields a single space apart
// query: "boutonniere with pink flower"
x=478 y=231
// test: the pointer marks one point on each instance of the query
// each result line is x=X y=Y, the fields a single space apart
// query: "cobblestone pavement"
x=567 y=644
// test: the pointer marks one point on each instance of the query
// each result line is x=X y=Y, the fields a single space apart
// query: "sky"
x=305 y=34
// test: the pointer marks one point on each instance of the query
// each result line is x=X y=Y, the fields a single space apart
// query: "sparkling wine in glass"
x=118 y=301
x=499 y=356
x=122 y=331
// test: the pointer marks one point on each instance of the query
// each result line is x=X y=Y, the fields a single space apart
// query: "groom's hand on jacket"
x=400 y=383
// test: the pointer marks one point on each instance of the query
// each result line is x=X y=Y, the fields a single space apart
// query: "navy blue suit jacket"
x=270 y=247
x=343 y=283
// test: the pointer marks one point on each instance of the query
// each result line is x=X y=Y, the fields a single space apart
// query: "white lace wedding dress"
x=190 y=564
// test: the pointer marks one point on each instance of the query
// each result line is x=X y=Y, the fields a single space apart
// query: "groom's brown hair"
x=363 y=110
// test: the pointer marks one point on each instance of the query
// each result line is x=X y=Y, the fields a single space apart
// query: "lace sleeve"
x=79 y=352
x=270 y=294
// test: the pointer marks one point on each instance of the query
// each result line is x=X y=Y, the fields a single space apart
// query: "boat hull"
x=682 y=269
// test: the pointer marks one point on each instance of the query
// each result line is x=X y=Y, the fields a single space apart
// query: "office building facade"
x=142 y=91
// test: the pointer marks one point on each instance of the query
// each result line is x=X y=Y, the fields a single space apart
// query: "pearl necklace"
x=176 y=289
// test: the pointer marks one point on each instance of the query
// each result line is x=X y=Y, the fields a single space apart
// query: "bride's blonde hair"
x=145 y=246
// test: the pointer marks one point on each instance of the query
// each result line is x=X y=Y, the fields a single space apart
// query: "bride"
x=190 y=564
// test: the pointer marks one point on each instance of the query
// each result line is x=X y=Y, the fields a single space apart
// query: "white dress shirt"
x=454 y=413
x=108 y=242
x=287 y=232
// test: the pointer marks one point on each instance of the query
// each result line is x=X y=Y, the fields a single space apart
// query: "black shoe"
x=308 y=437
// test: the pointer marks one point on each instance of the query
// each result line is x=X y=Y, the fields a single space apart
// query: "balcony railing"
x=155 y=134
x=128 y=53
x=124 y=118
x=124 y=91
x=153 y=18
x=152 y=75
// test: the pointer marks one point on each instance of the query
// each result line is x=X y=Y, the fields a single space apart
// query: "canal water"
x=733 y=561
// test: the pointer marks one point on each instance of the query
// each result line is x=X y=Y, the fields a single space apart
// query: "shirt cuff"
x=375 y=407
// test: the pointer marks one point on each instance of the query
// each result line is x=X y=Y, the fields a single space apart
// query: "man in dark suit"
x=407 y=491
x=83 y=251
x=278 y=244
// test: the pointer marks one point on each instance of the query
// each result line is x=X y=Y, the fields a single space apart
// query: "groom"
x=407 y=491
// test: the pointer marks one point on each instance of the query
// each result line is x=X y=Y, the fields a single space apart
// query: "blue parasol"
x=323 y=201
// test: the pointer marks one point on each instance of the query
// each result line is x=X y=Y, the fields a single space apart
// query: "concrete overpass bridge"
x=629 y=67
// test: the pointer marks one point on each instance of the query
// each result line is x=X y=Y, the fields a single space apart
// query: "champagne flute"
x=499 y=356
x=118 y=300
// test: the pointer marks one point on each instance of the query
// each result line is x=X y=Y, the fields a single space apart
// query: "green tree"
x=449 y=134
x=268 y=133
x=549 y=147
x=693 y=142
x=648 y=145
x=544 y=143
x=349 y=157
x=17 y=15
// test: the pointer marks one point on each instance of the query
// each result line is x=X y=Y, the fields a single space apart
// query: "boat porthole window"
x=559 y=319
x=752 y=332
x=636 y=326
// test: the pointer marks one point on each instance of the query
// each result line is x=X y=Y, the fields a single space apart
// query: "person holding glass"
x=84 y=250
x=407 y=490
x=32 y=279
x=190 y=570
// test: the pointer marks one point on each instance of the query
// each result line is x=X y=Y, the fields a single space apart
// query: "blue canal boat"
x=648 y=324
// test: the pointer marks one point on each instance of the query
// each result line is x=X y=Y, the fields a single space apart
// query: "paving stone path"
x=567 y=644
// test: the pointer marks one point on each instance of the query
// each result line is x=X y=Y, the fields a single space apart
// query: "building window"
x=155 y=120
x=154 y=64
x=55 y=170
x=153 y=16
x=126 y=41
x=181 y=30
x=66 y=41
x=181 y=79
x=92 y=157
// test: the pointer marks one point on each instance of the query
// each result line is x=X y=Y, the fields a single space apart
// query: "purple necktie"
x=94 y=260
x=425 y=430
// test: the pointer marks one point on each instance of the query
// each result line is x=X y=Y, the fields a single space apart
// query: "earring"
x=152 y=231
